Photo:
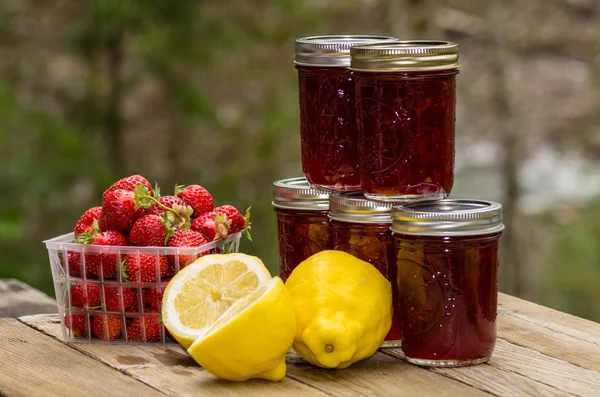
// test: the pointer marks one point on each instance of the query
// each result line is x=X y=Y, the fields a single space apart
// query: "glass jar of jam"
x=302 y=223
x=362 y=228
x=327 y=116
x=405 y=111
x=447 y=263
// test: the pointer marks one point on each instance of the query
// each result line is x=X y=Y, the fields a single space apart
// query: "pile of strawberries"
x=135 y=214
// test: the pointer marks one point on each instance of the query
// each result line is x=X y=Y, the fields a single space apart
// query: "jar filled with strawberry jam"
x=327 y=116
x=302 y=223
x=447 y=263
x=405 y=111
x=362 y=228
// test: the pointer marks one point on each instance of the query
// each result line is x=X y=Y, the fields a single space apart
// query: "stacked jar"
x=377 y=122
x=302 y=223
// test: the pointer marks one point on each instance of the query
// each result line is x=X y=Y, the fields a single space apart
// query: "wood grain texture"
x=33 y=364
x=379 y=375
x=544 y=340
x=493 y=380
x=515 y=370
x=170 y=369
x=554 y=320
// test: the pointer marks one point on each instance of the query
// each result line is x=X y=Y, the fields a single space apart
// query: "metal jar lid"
x=296 y=193
x=404 y=56
x=354 y=207
x=332 y=51
x=448 y=218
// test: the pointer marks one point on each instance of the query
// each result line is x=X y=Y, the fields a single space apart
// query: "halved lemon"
x=252 y=338
x=203 y=291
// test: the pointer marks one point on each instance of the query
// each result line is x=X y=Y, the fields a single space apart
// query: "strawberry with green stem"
x=95 y=262
x=151 y=230
x=178 y=216
x=196 y=197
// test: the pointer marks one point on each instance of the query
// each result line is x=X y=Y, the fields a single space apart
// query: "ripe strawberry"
x=238 y=221
x=185 y=238
x=78 y=295
x=96 y=263
x=139 y=326
x=153 y=296
x=128 y=184
x=149 y=230
x=85 y=223
x=107 y=327
x=141 y=268
x=119 y=211
x=167 y=201
x=112 y=300
x=196 y=197
x=73 y=261
x=213 y=226
x=76 y=322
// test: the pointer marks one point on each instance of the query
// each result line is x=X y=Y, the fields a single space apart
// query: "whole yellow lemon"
x=343 y=309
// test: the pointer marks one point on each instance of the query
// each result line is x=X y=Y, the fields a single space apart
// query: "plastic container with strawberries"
x=110 y=273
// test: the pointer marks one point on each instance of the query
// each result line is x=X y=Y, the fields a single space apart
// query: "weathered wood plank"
x=544 y=340
x=170 y=369
x=19 y=299
x=33 y=364
x=554 y=320
x=380 y=375
x=515 y=370
x=554 y=372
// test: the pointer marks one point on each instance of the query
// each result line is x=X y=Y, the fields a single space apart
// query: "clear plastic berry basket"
x=109 y=294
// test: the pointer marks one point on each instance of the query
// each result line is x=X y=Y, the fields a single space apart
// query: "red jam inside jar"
x=405 y=116
x=327 y=111
x=362 y=228
x=448 y=284
x=302 y=222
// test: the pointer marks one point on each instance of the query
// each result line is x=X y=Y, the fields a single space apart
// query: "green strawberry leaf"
x=248 y=226
x=178 y=189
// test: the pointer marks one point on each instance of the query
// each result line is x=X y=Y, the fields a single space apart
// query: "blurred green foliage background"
x=205 y=92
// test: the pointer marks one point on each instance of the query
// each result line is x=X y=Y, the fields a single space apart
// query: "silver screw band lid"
x=448 y=218
x=297 y=193
x=355 y=208
x=331 y=51
x=404 y=56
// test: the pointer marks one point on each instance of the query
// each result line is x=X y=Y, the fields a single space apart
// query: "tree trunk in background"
x=411 y=19
x=511 y=275
x=113 y=123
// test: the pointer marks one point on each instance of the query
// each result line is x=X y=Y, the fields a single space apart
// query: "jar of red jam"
x=447 y=261
x=327 y=116
x=302 y=223
x=405 y=111
x=362 y=228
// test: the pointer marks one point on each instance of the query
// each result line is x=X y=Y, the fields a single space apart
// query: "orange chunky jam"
x=447 y=261
x=405 y=111
x=362 y=228
x=327 y=110
x=302 y=223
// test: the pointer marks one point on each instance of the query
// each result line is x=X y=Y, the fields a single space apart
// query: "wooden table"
x=540 y=352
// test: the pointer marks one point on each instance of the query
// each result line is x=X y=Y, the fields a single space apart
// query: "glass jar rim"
x=448 y=217
x=297 y=193
x=354 y=207
x=404 y=56
x=331 y=50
